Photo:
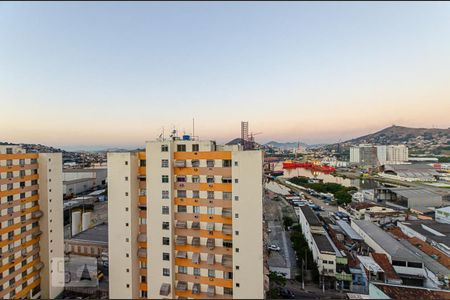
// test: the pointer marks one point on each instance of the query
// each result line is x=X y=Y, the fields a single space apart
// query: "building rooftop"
x=412 y=170
x=310 y=216
x=428 y=261
x=74 y=181
x=98 y=233
x=432 y=230
x=393 y=247
x=349 y=231
x=382 y=260
x=361 y=205
x=370 y=264
x=413 y=193
x=323 y=243
x=72 y=170
x=408 y=292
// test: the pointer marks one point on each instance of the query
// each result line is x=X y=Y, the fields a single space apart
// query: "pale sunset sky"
x=101 y=74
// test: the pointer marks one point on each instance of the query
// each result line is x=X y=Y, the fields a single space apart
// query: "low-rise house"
x=407 y=264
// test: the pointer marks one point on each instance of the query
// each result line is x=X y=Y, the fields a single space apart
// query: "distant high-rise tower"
x=244 y=135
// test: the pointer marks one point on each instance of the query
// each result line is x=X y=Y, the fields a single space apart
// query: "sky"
x=102 y=74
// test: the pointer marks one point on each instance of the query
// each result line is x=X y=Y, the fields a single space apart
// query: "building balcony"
x=227 y=213
x=37 y=214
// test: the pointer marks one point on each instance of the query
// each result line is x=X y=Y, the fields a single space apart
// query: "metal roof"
x=428 y=261
x=98 y=233
x=370 y=264
x=323 y=243
x=349 y=231
x=396 y=250
x=310 y=216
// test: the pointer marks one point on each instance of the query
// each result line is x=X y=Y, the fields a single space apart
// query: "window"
x=22 y=173
x=226 y=195
x=181 y=193
x=166 y=272
x=195 y=194
x=210 y=179
x=164 y=148
x=165 y=241
x=182 y=270
x=195 y=163
x=227 y=291
x=126 y=178
x=9 y=175
x=164 y=163
x=226 y=163
x=414 y=265
x=195 y=179
x=9 y=186
x=210 y=163
x=126 y=163
x=236 y=216
x=10 y=198
x=9 y=151
x=165 y=178
x=22 y=195
x=181 y=148
x=181 y=208
x=196 y=272
x=196 y=209
x=22 y=162
x=236 y=180
x=144 y=279
x=236 y=232
x=144 y=294
x=181 y=178
x=210 y=195
x=165 y=225
x=126 y=193
x=228 y=275
x=165 y=210
x=142 y=163
x=236 y=164
x=399 y=263
x=237 y=284
x=165 y=194
x=210 y=210
x=228 y=243
x=195 y=147
x=9 y=162
x=166 y=256
x=211 y=273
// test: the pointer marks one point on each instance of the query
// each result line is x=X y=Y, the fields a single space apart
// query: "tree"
x=287 y=221
x=277 y=278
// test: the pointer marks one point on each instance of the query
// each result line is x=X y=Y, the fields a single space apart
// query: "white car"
x=274 y=248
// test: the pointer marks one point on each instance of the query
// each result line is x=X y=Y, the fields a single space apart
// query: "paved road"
x=285 y=258
x=315 y=200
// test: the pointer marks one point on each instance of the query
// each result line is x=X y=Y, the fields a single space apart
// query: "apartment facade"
x=31 y=224
x=189 y=221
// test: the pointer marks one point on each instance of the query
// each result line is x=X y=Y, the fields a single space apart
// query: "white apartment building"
x=186 y=218
x=31 y=224
x=381 y=154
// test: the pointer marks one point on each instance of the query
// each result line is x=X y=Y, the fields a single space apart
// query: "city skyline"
x=114 y=74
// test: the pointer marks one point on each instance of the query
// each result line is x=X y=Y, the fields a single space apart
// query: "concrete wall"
x=51 y=223
x=250 y=275
x=122 y=239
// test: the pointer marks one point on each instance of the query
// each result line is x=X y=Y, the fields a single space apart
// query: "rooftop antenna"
x=193 y=128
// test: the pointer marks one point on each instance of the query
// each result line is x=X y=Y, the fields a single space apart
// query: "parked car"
x=274 y=248
x=287 y=294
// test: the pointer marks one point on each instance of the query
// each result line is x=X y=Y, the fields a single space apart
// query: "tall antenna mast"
x=193 y=128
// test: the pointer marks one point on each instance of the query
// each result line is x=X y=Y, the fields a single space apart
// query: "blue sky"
x=115 y=73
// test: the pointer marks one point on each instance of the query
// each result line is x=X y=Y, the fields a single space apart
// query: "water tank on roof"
x=186 y=137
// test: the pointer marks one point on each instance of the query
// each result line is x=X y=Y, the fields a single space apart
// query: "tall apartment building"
x=186 y=221
x=31 y=223
x=367 y=154
x=364 y=154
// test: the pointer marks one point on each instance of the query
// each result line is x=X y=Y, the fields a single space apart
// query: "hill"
x=419 y=140
x=400 y=134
